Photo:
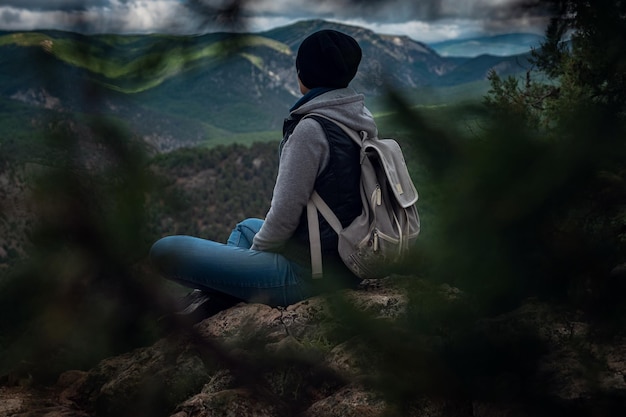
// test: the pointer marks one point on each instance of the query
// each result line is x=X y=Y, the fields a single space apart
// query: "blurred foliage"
x=75 y=297
x=78 y=293
x=529 y=204
x=83 y=200
x=539 y=191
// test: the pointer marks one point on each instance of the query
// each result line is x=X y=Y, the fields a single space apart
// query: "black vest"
x=338 y=184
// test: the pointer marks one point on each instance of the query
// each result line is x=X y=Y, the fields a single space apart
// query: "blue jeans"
x=233 y=268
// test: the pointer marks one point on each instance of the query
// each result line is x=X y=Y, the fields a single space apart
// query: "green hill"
x=175 y=91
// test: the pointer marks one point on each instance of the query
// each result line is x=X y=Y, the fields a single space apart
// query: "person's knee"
x=252 y=224
x=162 y=253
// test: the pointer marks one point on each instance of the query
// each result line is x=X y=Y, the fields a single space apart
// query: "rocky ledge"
x=253 y=360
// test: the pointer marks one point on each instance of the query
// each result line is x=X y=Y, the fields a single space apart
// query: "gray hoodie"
x=304 y=156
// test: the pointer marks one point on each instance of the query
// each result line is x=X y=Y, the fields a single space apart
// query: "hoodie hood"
x=343 y=105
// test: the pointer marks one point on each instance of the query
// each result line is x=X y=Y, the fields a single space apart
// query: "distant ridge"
x=497 y=45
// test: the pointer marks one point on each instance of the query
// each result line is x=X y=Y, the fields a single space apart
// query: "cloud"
x=427 y=32
x=397 y=11
x=54 y=5
x=426 y=20
x=110 y=16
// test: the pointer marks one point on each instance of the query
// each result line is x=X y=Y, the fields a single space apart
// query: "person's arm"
x=304 y=155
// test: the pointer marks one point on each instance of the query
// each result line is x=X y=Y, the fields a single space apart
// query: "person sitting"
x=267 y=261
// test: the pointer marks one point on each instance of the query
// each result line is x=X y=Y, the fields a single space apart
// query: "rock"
x=230 y=403
x=305 y=361
x=147 y=380
x=35 y=402
x=350 y=401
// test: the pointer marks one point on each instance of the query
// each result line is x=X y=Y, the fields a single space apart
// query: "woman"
x=268 y=261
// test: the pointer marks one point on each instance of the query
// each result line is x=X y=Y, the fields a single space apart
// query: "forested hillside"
x=199 y=191
x=205 y=192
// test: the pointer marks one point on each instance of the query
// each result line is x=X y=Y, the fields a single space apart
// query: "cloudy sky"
x=422 y=20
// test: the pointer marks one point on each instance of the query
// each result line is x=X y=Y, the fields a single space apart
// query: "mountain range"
x=177 y=91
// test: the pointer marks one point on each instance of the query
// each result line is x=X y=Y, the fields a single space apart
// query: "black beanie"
x=328 y=59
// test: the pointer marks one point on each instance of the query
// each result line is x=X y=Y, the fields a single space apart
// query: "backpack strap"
x=326 y=212
x=315 y=243
x=316 y=203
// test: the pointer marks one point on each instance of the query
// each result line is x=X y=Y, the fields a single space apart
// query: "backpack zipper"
x=376 y=241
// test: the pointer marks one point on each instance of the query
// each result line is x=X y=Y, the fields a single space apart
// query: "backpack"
x=389 y=222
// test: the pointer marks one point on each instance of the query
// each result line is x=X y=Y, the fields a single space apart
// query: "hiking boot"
x=192 y=303
x=197 y=306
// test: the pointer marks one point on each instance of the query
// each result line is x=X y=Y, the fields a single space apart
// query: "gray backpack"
x=389 y=222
